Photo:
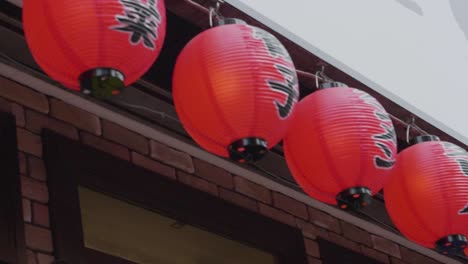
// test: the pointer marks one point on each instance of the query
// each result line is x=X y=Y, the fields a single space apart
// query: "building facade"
x=94 y=184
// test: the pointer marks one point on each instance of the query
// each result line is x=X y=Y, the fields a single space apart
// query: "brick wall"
x=34 y=111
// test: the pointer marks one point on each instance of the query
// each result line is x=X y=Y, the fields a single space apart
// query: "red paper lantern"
x=427 y=195
x=95 y=46
x=341 y=146
x=235 y=88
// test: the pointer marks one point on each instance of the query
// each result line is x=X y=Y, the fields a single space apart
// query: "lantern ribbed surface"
x=427 y=195
x=68 y=38
x=340 y=138
x=233 y=82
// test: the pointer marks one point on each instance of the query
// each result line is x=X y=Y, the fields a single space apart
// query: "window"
x=106 y=210
x=12 y=246
x=332 y=254
x=142 y=236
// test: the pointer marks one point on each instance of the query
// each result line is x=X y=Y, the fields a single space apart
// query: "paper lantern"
x=427 y=195
x=97 y=47
x=235 y=88
x=340 y=146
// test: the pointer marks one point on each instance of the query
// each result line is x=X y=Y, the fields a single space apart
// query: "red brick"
x=45 y=259
x=38 y=238
x=397 y=261
x=29 y=142
x=104 y=145
x=76 y=116
x=312 y=248
x=125 y=137
x=153 y=165
x=15 y=109
x=23 y=167
x=324 y=220
x=27 y=210
x=172 y=157
x=311 y=260
x=374 y=254
x=276 y=214
x=41 y=215
x=213 y=174
x=34 y=190
x=252 y=189
x=415 y=258
x=311 y=231
x=197 y=183
x=18 y=111
x=344 y=242
x=386 y=246
x=35 y=122
x=31 y=257
x=23 y=95
x=355 y=233
x=37 y=168
x=290 y=205
x=238 y=199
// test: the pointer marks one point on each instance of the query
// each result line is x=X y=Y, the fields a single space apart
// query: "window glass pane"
x=120 y=229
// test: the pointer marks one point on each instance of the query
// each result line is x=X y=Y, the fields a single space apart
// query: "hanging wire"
x=212 y=12
x=198 y=6
x=292 y=184
x=409 y=125
x=319 y=76
x=315 y=76
x=202 y=8
x=159 y=113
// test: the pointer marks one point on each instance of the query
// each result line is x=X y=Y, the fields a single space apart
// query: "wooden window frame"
x=71 y=164
x=12 y=241
x=331 y=253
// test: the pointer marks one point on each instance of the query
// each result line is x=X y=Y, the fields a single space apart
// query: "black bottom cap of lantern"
x=354 y=198
x=102 y=82
x=452 y=245
x=247 y=150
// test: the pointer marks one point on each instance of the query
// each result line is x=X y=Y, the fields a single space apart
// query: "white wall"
x=415 y=52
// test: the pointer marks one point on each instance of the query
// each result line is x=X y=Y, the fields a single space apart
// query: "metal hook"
x=317 y=77
x=408 y=128
x=324 y=76
x=214 y=11
x=321 y=76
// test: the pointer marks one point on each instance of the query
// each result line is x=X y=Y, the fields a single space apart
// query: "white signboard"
x=415 y=52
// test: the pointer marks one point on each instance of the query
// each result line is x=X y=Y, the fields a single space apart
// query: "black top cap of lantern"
x=229 y=21
x=423 y=138
x=332 y=85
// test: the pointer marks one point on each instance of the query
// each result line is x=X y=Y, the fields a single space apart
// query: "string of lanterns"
x=236 y=93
